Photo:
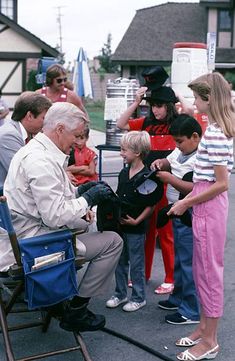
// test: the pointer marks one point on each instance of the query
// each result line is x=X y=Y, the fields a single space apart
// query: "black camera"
x=147 y=94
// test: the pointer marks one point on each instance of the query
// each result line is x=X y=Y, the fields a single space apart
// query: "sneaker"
x=178 y=319
x=130 y=284
x=167 y=305
x=164 y=288
x=81 y=319
x=115 y=301
x=133 y=306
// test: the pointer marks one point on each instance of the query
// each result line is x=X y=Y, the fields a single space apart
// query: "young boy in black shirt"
x=135 y=208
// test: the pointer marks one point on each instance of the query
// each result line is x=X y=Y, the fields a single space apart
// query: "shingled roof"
x=154 y=30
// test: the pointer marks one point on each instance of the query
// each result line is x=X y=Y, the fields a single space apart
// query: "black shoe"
x=167 y=305
x=81 y=320
x=177 y=319
x=57 y=310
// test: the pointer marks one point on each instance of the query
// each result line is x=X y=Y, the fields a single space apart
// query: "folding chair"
x=17 y=276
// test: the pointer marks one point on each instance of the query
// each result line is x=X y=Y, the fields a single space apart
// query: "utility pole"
x=59 y=15
x=60 y=27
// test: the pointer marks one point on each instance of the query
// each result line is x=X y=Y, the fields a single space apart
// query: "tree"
x=106 y=65
x=31 y=83
x=230 y=77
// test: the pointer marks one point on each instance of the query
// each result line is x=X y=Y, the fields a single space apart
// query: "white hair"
x=64 y=113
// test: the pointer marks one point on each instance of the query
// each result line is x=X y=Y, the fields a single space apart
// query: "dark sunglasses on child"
x=60 y=80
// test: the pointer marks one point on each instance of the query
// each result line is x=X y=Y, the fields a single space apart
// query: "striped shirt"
x=214 y=149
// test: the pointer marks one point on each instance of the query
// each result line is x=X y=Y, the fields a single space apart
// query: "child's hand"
x=165 y=177
x=72 y=179
x=128 y=221
x=178 y=208
x=157 y=164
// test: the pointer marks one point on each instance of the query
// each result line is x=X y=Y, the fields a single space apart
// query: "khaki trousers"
x=103 y=250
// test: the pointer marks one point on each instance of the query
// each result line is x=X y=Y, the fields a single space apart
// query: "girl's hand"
x=140 y=93
x=128 y=221
x=178 y=208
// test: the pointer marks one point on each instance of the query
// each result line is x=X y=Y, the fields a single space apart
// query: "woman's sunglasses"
x=60 y=80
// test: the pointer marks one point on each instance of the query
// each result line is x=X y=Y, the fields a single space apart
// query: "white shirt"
x=23 y=132
x=180 y=165
x=39 y=194
x=214 y=149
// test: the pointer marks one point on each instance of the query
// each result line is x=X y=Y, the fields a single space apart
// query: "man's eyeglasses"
x=60 y=80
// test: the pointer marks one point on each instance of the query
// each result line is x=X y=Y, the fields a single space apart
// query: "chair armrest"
x=16 y=272
x=79 y=262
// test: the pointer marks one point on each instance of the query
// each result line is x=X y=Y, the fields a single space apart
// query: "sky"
x=84 y=23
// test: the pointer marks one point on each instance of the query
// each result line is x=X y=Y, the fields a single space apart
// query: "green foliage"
x=230 y=77
x=96 y=114
x=106 y=65
x=31 y=83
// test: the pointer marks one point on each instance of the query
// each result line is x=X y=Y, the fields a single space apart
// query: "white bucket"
x=120 y=94
x=189 y=62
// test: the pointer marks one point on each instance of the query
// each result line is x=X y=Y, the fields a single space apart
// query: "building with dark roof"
x=19 y=52
x=150 y=38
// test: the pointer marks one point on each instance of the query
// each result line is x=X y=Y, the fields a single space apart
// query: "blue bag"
x=52 y=283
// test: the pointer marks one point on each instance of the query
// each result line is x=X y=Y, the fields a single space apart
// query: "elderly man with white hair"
x=42 y=199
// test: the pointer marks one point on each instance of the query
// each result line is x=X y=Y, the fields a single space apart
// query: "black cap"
x=154 y=77
x=164 y=94
x=149 y=187
x=163 y=218
x=185 y=218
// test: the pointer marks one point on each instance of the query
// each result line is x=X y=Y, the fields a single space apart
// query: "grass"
x=96 y=115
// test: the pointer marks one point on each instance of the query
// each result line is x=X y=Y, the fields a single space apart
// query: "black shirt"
x=132 y=203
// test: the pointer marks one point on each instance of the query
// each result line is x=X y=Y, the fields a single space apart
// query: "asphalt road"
x=146 y=326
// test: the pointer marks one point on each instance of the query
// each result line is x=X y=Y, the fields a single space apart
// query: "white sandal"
x=187 y=342
x=188 y=356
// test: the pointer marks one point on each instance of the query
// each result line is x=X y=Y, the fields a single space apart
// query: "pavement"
x=146 y=326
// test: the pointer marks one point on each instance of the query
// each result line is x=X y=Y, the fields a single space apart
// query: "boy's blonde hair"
x=137 y=142
x=215 y=87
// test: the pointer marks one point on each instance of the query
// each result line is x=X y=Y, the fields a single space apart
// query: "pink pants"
x=209 y=235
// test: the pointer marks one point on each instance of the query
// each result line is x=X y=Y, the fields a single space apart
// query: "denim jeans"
x=132 y=256
x=184 y=295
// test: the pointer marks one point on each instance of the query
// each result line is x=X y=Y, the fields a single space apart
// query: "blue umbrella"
x=81 y=76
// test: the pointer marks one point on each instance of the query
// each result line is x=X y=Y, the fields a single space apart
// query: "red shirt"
x=84 y=156
x=162 y=143
x=61 y=98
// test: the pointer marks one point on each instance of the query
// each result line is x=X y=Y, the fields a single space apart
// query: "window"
x=225 y=20
x=7 y=8
x=133 y=70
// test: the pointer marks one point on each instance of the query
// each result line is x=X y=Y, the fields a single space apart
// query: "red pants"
x=166 y=239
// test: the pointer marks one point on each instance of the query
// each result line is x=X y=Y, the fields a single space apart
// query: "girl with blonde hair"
x=209 y=199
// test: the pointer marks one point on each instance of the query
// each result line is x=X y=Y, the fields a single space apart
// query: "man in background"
x=26 y=121
x=56 y=87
